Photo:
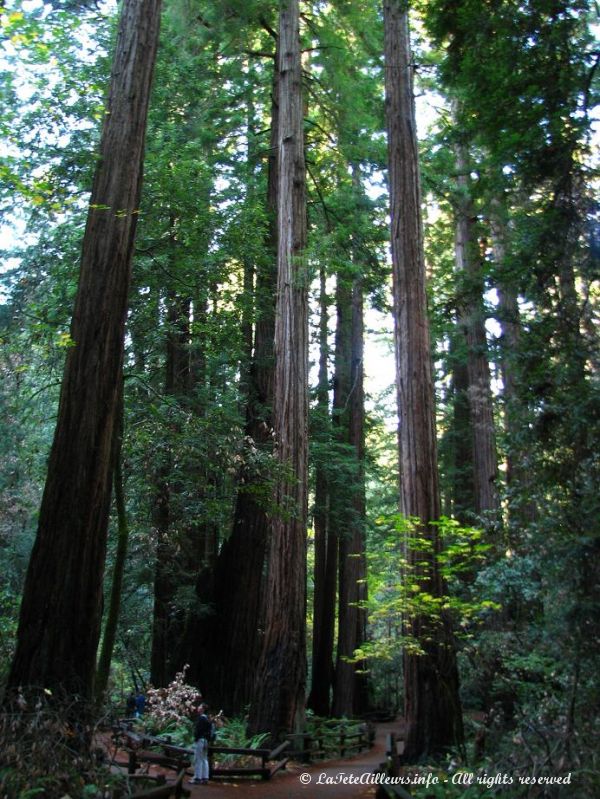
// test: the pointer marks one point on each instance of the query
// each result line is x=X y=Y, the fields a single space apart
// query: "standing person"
x=130 y=705
x=140 y=704
x=202 y=736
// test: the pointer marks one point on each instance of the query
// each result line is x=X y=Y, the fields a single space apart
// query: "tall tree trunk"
x=521 y=505
x=432 y=703
x=326 y=557
x=278 y=704
x=472 y=322
x=238 y=585
x=169 y=567
x=357 y=440
x=348 y=501
x=163 y=583
x=463 y=493
x=61 y=611
x=112 y=617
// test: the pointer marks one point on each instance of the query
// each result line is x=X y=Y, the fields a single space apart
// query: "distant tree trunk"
x=521 y=505
x=432 y=703
x=61 y=612
x=357 y=440
x=237 y=594
x=460 y=434
x=326 y=557
x=112 y=617
x=169 y=567
x=163 y=578
x=248 y=292
x=278 y=702
x=472 y=322
x=348 y=501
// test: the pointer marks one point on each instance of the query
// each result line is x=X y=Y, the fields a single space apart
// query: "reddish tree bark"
x=240 y=568
x=278 y=703
x=61 y=611
x=326 y=543
x=348 y=503
x=432 y=704
x=112 y=616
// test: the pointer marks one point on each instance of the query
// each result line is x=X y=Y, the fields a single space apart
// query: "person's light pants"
x=201 y=759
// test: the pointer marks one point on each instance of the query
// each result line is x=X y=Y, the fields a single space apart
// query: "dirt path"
x=332 y=778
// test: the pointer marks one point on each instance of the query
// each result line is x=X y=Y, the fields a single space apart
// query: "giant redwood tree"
x=432 y=704
x=240 y=566
x=61 y=611
x=278 y=703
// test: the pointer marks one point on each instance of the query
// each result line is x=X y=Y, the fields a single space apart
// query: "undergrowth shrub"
x=44 y=753
x=171 y=710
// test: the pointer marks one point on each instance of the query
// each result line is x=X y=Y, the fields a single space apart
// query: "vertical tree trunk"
x=348 y=504
x=326 y=558
x=169 y=567
x=463 y=493
x=238 y=594
x=521 y=505
x=432 y=704
x=61 y=610
x=472 y=322
x=278 y=704
x=357 y=440
x=112 y=617
x=163 y=582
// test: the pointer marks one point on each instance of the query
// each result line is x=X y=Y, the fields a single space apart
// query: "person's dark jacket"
x=202 y=728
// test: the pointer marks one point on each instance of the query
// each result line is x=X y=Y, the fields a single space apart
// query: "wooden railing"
x=330 y=740
x=271 y=761
x=391 y=768
x=151 y=750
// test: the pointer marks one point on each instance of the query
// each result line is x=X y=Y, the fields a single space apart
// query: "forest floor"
x=329 y=778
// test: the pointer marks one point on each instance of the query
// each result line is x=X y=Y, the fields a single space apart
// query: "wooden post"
x=132 y=763
x=306 y=742
x=392 y=755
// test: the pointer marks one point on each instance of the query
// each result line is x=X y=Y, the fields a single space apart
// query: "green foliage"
x=9 y=605
x=327 y=734
x=233 y=733
x=398 y=588
x=56 y=76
